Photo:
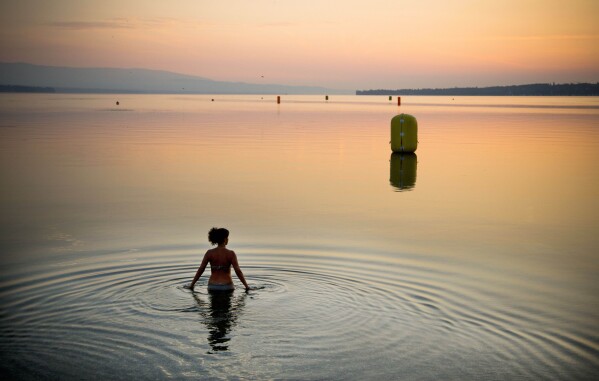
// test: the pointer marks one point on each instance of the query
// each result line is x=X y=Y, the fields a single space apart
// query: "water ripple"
x=127 y=312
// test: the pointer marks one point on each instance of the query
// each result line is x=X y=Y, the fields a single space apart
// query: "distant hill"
x=542 y=89
x=109 y=80
x=25 y=89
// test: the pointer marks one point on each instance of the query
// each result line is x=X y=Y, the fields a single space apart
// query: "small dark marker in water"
x=117 y=103
x=213 y=100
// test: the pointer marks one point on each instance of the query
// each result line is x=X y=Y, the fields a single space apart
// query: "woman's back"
x=220 y=259
x=220 y=256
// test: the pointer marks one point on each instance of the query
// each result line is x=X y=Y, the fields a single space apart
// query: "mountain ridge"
x=136 y=80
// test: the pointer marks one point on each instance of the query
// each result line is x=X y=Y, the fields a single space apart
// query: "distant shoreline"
x=577 y=89
x=543 y=89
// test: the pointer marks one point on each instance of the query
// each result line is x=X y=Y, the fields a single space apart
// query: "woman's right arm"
x=200 y=271
x=238 y=271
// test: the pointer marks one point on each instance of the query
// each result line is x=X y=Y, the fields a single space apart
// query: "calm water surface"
x=475 y=258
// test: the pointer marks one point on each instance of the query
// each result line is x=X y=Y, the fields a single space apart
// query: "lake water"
x=477 y=258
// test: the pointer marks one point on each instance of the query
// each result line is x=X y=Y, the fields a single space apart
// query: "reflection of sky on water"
x=304 y=169
x=498 y=233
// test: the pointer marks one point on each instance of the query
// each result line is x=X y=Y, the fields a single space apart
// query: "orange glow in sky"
x=340 y=44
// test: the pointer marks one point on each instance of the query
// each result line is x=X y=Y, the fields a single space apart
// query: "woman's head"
x=218 y=236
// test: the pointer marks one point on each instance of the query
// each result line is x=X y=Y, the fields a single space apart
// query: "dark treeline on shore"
x=25 y=89
x=580 y=89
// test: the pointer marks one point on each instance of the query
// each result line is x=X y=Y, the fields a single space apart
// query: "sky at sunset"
x=339 y=44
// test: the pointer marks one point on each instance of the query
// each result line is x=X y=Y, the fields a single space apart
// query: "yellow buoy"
x=404 y=133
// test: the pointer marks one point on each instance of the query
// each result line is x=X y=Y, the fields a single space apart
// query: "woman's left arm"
x=238 y=271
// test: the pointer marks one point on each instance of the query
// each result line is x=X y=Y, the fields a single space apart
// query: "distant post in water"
x=399 y=101
x=278 y=99
x=326 y=98
x=390 y=97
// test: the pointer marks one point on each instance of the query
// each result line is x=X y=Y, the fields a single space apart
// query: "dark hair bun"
x=217 y=236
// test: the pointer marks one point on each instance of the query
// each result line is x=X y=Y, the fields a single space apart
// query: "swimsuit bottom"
x=221 y=287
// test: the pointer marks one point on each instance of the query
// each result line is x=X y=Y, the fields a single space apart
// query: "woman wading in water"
x=221 y=259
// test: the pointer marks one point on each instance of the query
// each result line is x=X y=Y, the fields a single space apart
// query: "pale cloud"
x=563 y=37
x=123 y=23
x=278 y=24
x=79 y=25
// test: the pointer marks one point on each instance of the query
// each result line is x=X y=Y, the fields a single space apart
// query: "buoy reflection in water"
x=403 y=168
